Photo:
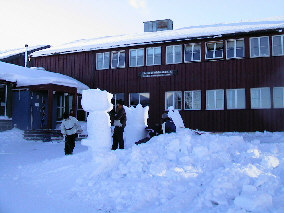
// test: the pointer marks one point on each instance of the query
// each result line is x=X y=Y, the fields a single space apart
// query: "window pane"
x=145 y=99
x=150 y=53
x=177 y=99
x=220 y=99
x=254 y=47
x=169 y=99
x=255 y=98
x=219 y=50
x=240 y=48
x=197 y=52
x=196 y=99
x=230 y=49
x=122 y=59
x=99 y=61
x=278 y=97
x=188 y=100
x=106 y=60
x=264 y=49
x=170 y=55
x=277 y=49
x=134 y=99
x=241 y=99
x=230 y=99
x=157 y=55
x=177 y=54
x=132 y=58
x=114 y=60
x=265 y=98
x=187 y=52
x=140 y=57
x=210 y=99
x=209 y=50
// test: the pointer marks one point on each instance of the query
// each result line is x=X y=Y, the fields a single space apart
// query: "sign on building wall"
x=161 y=73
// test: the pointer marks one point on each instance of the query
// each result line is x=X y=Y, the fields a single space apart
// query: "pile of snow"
x=188 y=33
x=26 y=77
x=176 y=117
x=178 y=172
x=135 y=124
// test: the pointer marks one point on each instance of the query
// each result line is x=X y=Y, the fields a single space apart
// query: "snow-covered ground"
x=178 y=172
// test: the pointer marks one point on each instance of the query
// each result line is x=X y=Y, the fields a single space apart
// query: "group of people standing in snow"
x=70 y=128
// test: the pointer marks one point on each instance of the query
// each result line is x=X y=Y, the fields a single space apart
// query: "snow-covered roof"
x=12 y=52
x=23 y=76
x=161 y=36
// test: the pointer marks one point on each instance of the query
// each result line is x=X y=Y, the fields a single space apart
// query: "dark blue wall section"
x=21 y=109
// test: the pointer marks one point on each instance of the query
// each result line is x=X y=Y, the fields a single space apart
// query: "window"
x=153 y=56
x=60 y=106
x=192 y=52
x=236 y=99
x=139 y=98
x=192 y=100
x=102 y=61
x=173 y=99
x=118 y=59
x=278 y=45
x=215 y=99
x=174 y=54
x=136 y=58
x=259 y=47
x=278 y=97
x=260 y=98
x=3 y=99
x=214 y=50
x=235 y=48
x=116 y=97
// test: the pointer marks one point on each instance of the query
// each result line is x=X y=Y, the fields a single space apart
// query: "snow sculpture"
x=176 y=117
x=97 y=103
x=135 y=124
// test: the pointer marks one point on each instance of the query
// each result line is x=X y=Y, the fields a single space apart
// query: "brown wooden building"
x=226 y=77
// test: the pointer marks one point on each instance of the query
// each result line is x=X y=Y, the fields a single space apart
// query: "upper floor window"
x=136 y=58
x=259 y=47
x=102 y=60
x=192 y=100
x=278 y=97
x=192 y=52
x=118 y=59
x=174 y=54
x=215 y=99
x=173 y=98
x=278 y=45
x=153 y=56
x=260 y=98
x=139 y=98
x=235 y=48
x=214 y=50
x=236 y=99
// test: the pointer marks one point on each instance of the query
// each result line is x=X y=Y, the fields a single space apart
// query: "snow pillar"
x=97 y=103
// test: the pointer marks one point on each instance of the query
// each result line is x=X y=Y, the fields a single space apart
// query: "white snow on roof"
x=8 y=53
x=161 y=36
x=26 y=77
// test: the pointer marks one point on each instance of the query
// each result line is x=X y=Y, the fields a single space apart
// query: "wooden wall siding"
x=222 y=74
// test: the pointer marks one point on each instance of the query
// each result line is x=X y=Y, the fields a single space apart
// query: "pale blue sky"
x=59 y=21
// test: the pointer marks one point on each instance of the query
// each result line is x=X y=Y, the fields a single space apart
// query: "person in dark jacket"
x=119 y=123
x=168 y=125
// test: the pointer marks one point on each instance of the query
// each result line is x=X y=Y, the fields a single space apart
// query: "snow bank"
x=176 y=117
x=178 y=172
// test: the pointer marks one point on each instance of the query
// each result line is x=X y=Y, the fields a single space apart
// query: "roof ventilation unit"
x=158 y=25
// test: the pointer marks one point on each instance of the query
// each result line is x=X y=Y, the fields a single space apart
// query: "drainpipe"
x=26 y=55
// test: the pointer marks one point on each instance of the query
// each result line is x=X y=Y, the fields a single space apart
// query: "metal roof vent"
x=158 y=25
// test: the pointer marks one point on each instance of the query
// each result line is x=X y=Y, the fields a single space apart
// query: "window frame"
x=174 y=53
x=282 y=98
x=282 y=45
x=260 y=107
x=214 y=53
x=250 y=47
x=119 y=52
x=192 y=47
x=173 y=100
x=103 y=53
x=136 y=57
x=192 y=99
x=215 y=99
x=235 y=48
x=139 y=98
x=236 y=98
x=153 y=56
